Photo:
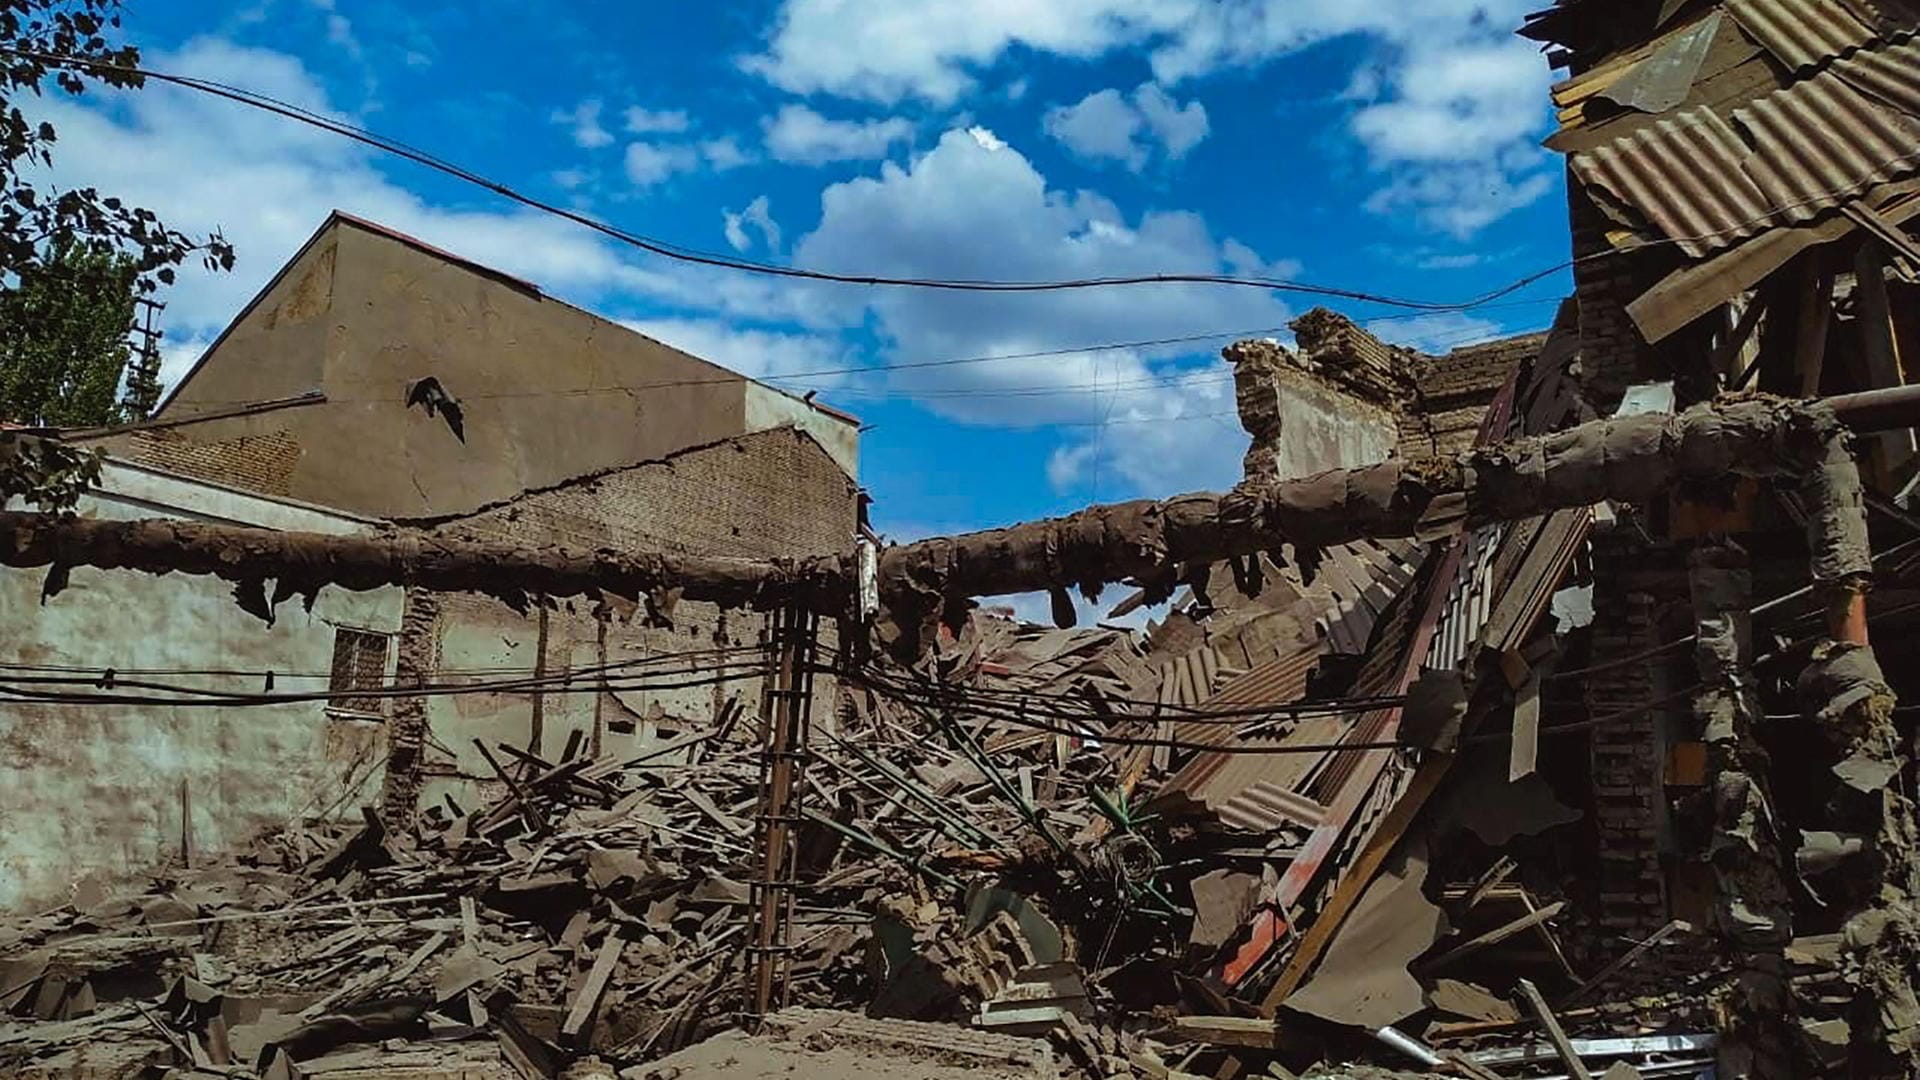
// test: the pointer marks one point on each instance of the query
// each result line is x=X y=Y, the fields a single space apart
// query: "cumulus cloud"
x=757 y=217
x=759 y=354
x=887 y=50
x=643 y=121
x=583 y=124
x=1130 y=129
x=1443 y=105
x=155 y=147
x=725 y=153
x=974 y=207
x=1438 y=332
x=798 y=135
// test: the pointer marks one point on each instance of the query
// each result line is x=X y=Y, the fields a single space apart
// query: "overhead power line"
x=666 y=249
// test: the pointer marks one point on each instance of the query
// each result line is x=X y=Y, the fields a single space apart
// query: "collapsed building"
x=1525 y=711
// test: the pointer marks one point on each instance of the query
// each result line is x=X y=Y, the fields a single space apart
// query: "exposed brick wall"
x=262 y=463
x=762 y=495
x=1633 y=603
x=1613 y=354
x=768 y=494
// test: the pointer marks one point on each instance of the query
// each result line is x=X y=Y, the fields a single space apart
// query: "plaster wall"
x=1323 y=428
x=547 y=391
x=116 y=790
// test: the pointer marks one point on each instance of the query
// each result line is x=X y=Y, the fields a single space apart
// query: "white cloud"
x=799 y=135
x=887 y=50
x=643 y=121
x=1454 y=132
x=648 y=163
x=339 y=28
x=1438 y=332
x=583 y=124
x=725 y=153
x=757 y=216
x=1445 y=99
x=1108 y=126
x=973 y=207
x=759 y=354
x=154 y=148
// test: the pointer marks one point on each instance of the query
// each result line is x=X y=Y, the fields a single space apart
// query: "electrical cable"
x=560 y=684
x=258 y=673
x=386 y=144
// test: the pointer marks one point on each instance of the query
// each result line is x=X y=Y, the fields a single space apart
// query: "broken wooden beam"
x=1626 y=459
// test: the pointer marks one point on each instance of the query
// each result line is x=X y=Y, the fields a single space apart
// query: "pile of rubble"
x=596 y=909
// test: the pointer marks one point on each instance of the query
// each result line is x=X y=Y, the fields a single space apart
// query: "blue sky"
x=1386 y=146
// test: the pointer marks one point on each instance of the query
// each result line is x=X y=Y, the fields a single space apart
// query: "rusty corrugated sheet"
x=1802 y=34
x=1685 y=175
x=1891 y=74
x=1815 y=145
x=1264 y=806
x=1820 y=143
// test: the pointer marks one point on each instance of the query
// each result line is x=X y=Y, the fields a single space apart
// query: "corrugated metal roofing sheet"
x=1264 y=806
x=1684 y=175
x=1821 y=142
x=1891 y=74
x=1802 y=34
x=1816 y=144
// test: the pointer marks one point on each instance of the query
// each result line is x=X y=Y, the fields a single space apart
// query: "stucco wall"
x=92 y=789
x=1324 y=428
x=547 y=391
x=771 y=493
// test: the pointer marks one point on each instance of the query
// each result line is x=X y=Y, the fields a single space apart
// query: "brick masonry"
x=768 y=494
x=262 y=463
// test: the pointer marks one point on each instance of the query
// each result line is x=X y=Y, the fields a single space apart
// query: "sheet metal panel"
x=1820 y=143
x=1685 y=174
x=1814 y=146
x=1891 y=74
x=1802 y=34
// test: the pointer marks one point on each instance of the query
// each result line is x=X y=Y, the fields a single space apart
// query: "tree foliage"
x=65 y=42
x=67 y=46
x=63 y=340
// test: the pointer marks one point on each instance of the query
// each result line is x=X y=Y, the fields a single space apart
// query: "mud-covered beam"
x=298 y=563
x=1626 y=459
x=1753 y=903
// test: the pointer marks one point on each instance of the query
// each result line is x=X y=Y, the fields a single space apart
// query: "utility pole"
x=788 y=714
x=143 y=367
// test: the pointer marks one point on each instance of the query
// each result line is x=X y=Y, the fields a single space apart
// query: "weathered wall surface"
x=110 y=790
x=771 y=493
x=547 y=391
x=1324 y=428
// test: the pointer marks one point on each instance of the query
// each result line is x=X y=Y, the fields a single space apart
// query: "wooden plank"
x=1576 y=1068
x=1258 y=1032
x=1814 y=319
x=1874 y=314
x=1492 y=937
x=1729 y=350
x=587 y=1002
x=1525 y=751
x=1620 y=963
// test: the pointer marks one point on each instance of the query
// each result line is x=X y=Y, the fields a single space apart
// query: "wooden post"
x=1874 y=313
x=788 y=717
x=536 y=727
x=1810 y=330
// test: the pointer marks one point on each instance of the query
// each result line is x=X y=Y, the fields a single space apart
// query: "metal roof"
x=1814 y=145
x=1891 y=74
x=1802 y=34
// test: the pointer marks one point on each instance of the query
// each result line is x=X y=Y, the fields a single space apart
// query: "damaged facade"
x=1526 y=711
